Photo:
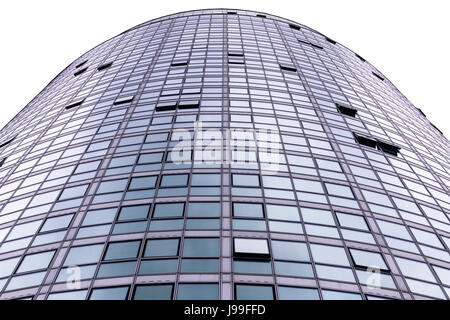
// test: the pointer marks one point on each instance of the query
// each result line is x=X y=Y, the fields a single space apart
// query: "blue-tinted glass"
x=207 y=291
x=254 y=292
x=163 y=210
x=292 y=293
x=158 y=266
x=201 y=247
x=161 y=247
x=133 y=212
x=119 y=293
x=153 y=292
x=122 y=250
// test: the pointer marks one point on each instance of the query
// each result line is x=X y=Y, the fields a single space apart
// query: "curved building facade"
x=223 y=154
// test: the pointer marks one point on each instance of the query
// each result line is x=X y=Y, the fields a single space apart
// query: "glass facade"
x=107 y=190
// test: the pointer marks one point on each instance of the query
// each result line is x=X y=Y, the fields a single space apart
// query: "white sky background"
x=407 y=40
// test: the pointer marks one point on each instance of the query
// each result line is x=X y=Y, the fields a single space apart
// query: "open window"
x=251 y=248
x=378 y=76
x=74 y=104
x=288 y=68
x=4 y=144
x=346 y=110
x=104 y=66
x=388 y=148
x=366 y=141
x=294 y=26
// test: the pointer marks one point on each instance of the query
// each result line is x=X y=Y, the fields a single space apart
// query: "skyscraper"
x=223 y=154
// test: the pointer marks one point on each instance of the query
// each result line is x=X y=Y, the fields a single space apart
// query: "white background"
x=407 y=40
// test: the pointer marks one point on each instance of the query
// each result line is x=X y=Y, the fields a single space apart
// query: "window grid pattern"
x=86 y=177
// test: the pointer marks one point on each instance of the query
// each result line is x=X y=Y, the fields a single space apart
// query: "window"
x=122 y=250
x=163 y=210
x=347 y=111
x=36 y=261
x=246 y=180
x=293 y=293
x=112 y=186
x=294 y=26
x=339 y=190
x=330 y=40
x=339 y=295
x=133 y=212
x=6 y=143
x=278 y=212
x=204 y=291
x=387 y=148
x=252 y=266
x=73 y=192
x=415 y=269
x=119 y=293
x=253 y=210
x=329 y=255
x=201 y=247
x=161 y=247
x=378 y=76
x=366 y=259
x=366 y=141
x=83 y=255
x=352 y=221
x=286 y=250
x=74 y=105
x=287 y=68
x=123 y=100
x=251 y=247
x=7 y=266
x=174 y=180
x=204 y=209
x=56 y=223
x=77 y=73
x=254 y=292
x=142 y=183
x=153 y=292
x=2 y=161
x=104 y=66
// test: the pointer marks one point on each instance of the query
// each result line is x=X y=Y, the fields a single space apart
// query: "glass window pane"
x=204 y=209
x=134 y=212
x=205 y=291
x=254 y=210
x=201 y=247
x=36 y=261
x=368 y=259
x=329 y=254
x=168 y=210
x=161 y=247
x=153 y=292
x=119 y=293
x=83 y=255
x=254 y=292
x=293 y=293
x=286 y=250
x=122 y=250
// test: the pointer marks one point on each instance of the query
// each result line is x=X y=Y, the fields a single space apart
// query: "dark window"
x=388 y=148
x=295 y=27
x=292 y=69
x=81 y=64
x=74 y=105
x=366 y=141
x=346 y=110
x=80 y=72
x=179 y=63
x=316 y=46
x=360 y=58
x=261 y=15
x=231 y=12
x=6 y=143
x=2 y=161
x=378 y=76
x=104 y=66
x=166 y=106
x=331 y=40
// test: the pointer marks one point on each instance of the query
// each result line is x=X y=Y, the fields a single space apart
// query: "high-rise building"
x=223 y=154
